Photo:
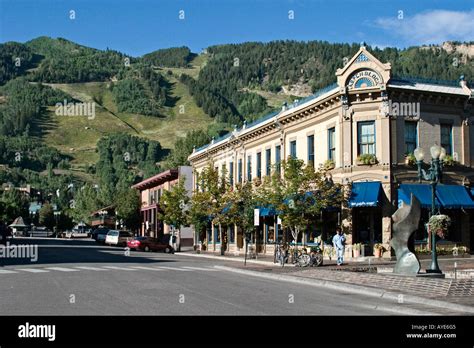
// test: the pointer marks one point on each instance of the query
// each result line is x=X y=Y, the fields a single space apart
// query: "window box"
x=329 y=164
x=366 y=160
x=410 y=160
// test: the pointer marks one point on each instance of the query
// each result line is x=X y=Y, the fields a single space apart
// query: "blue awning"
x=472 y=192
x=454 y=197
x=226 y=208
x=421 y=191
x=365 y=194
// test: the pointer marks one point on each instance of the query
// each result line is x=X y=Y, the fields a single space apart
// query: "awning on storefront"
x=454 y=197
x=446 y=196
x=365 y=194
x=472 y=192
x=268 y=211
x=420 y=191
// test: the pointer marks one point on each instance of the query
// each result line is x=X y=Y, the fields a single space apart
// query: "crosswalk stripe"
x=62 y=269
x=32 y=270
x=119 y=268
x=175 y=269
x=5 y=271
x=147 y=268
x=87 y=268
x=201 y=269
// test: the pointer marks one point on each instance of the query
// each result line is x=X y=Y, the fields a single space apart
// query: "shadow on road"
x=61 y=251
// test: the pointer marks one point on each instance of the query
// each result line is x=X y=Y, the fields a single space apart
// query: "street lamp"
x=434 y=176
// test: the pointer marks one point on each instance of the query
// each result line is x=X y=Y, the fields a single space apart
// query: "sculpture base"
x=431 y=275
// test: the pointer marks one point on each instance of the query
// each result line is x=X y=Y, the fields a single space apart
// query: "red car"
x=149 y=244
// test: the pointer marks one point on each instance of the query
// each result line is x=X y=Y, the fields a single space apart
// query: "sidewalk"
x=362 y=277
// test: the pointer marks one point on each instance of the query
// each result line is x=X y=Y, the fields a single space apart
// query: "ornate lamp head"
x=419 y=154
x=435 y=151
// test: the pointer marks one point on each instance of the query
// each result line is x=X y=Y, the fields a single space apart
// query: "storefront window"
x=231 y=233
x=209 y=236
x=217 y=235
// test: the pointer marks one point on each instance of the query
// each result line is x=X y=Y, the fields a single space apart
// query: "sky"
x=136 y=27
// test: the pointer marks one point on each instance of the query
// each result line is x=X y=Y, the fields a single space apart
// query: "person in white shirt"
x=338 y=241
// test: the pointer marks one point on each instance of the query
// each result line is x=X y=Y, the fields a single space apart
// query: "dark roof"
x=156 y=180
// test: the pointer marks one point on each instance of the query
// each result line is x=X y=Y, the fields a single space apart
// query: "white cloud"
x=431 y=27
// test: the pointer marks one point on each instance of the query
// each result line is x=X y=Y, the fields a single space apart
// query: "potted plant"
x=439 y=224
x=378 y=249
x=410 y=159
x=329 y=164
x=356 y=250
x=367 y=159
x=448 y=161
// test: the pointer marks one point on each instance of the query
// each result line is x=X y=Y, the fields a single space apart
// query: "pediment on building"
x=363 y=70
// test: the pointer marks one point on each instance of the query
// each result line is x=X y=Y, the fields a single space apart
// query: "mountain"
x=164 y=95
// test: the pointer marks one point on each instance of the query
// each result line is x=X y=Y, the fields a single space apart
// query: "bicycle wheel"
x=304 y=260
x=318 y=259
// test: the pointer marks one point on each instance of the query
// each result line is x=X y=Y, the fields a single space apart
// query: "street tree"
x=128 y=206
x=300 y=194
x=46 y=216
x=12 y=205
x=206 y=202
x=174 y=206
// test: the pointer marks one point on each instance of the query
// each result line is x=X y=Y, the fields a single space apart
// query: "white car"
x=118 y=238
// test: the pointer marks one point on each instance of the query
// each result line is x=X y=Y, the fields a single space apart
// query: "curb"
x=358 y=289
x=226 y=258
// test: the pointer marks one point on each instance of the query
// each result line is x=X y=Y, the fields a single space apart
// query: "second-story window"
x=231 y=174
x=293 y=148
x=411 y=136
x=366 y=137
x=249 y=168
x=259 y=165
x=278 y=158
x=239 y=171
x=268 y=161
x=447 y=138
x=311 y=150
x=332 y=144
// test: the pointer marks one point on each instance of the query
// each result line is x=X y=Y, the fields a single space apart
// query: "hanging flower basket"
x=439 y=224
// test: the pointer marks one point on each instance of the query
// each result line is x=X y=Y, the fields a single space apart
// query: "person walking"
x=338 y=241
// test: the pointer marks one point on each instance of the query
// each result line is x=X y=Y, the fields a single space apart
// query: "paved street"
x=80 y=277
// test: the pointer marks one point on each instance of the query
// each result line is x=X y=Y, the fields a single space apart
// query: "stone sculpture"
x=405 y=222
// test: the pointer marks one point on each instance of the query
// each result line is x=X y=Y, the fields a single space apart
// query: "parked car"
x=40 y=232
x=77 y=234
x=100 y=234
x=149 y=244
x=118 y=238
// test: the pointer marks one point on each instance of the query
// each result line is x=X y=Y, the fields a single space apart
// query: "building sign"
x=364 y=78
